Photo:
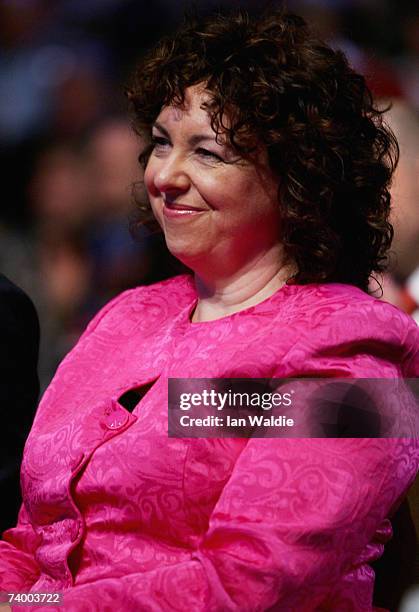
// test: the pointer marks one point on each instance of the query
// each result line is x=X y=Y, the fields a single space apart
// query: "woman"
x=267 y=170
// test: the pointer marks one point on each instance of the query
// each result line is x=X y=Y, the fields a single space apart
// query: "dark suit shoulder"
x=17 y=313
x=19 y=388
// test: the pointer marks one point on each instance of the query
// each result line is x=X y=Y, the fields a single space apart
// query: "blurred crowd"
x=69 y=157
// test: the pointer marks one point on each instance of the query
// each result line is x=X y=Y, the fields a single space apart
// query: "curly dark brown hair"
x=281 y=86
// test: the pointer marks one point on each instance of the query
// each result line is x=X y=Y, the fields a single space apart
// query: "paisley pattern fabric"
x=118 y=516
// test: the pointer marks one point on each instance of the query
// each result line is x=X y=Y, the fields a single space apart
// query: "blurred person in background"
x=118 y=262
x=79 y=252
x=61 y=269
x=401 y=285
x=83 y=253
x=407 y=61
x=404 y=121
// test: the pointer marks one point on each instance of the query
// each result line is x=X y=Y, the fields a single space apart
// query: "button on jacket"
x=118 y=516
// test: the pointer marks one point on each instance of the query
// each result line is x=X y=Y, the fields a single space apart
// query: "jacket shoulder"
x=355 y=306
x=163 y=299
x=18 y=314
x=346 y=319
x=342 y=301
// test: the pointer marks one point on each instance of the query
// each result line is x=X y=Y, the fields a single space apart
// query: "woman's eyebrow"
x=192 y=141
x=161 y=129
x=197 y=138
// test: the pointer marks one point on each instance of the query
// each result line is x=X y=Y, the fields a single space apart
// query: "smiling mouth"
x=177 y=206
x=172 y=209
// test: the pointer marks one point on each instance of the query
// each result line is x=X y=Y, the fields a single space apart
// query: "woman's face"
x=218 y=211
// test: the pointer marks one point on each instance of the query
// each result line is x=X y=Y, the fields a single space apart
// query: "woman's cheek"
x=148 y=180
x=157 y=212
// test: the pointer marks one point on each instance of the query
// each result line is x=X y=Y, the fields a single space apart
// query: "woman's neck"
x=255 y=283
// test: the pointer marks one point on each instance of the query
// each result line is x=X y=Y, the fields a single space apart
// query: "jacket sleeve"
x=18 y=568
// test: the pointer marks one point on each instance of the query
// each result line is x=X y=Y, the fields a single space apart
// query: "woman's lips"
x=180 y=210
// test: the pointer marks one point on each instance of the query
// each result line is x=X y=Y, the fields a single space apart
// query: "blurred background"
x=69 y=158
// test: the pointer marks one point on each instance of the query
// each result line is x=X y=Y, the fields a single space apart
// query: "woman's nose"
x=171 y=176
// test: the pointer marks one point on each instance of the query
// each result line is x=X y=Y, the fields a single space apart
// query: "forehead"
x=191 y=115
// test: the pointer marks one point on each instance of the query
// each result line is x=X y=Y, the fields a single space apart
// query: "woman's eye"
x=159 y=141
x=209 y=154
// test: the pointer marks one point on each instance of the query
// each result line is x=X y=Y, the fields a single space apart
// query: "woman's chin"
x=188 y=254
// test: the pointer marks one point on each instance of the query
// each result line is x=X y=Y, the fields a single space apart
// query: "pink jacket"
x=118 y=516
